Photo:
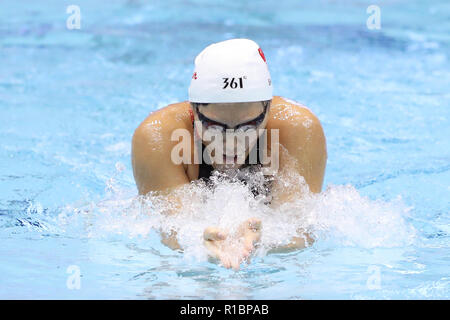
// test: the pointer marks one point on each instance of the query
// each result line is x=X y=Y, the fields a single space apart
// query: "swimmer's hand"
x=231 y=250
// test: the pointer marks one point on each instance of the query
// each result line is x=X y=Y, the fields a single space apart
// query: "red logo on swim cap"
x=194 y=76
x=261 y=53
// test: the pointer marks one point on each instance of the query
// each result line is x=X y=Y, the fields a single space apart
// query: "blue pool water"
x=71 y=99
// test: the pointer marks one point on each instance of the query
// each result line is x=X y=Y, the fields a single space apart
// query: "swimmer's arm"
x=171 y=241
x=153 y=168
x=296 y=243
x=303 y=150
x=155 y=172
x=300 y=241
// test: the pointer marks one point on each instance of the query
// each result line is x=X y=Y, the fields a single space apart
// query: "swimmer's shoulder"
x=176 y=115
x=152 y=145
x=292 y=115
x=302 y=135
x=159 y=125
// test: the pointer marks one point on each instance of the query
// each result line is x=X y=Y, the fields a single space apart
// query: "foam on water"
x=337 y=217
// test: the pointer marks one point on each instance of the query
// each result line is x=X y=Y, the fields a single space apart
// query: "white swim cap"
x=231 y=71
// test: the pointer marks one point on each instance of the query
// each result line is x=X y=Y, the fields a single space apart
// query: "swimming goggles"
x=253 y=124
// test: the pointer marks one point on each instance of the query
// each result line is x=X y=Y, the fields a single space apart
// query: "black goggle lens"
x=253 y=123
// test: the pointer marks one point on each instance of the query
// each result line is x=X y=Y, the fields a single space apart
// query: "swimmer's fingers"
x=213 y=240
x=222 y=256
x=213 y=249
x=249 y=244
x=236 y=263
x=230 y=260
x=251 y=240
x=225 y=260
x=213 y=233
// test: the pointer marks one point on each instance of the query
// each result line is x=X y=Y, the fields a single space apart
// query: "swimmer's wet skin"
x=230 y=91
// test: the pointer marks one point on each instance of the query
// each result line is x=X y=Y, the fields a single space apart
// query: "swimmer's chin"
x=228 y=163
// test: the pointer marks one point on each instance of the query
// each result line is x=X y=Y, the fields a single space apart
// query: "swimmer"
x=230 y=94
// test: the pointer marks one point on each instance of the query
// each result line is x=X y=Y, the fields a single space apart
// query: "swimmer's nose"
x=230 y=152
x=234 y=150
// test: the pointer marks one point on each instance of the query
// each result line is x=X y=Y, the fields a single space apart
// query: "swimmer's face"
x=241 y=119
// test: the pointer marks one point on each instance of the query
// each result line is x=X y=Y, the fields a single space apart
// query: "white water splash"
x=339 y=216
